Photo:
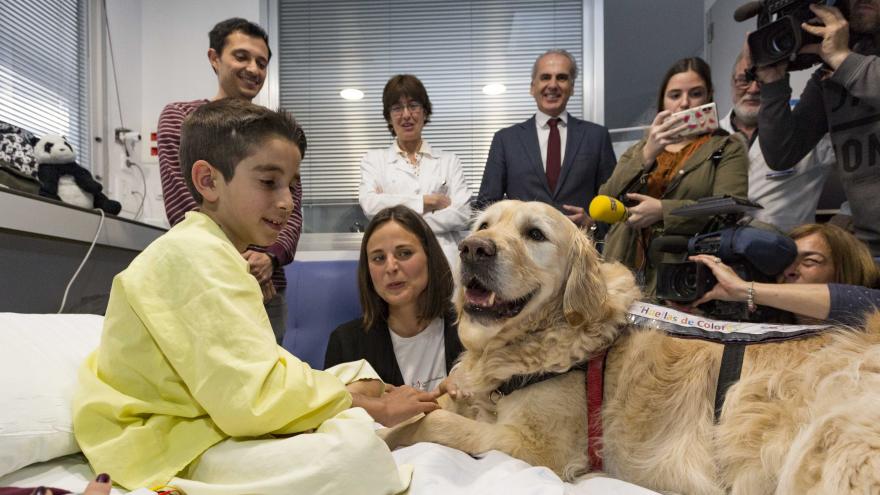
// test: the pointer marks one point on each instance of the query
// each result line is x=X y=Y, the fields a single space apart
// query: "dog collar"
x=518 y=382
x=593 y=382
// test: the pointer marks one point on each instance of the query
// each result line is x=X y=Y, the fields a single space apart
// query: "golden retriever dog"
x=534 y=298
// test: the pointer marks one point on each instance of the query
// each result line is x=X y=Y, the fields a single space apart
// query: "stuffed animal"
x=55 y=157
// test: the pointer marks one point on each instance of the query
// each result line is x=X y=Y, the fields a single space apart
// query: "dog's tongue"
x=480 y=297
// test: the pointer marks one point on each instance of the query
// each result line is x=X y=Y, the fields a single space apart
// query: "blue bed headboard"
x=320 y=296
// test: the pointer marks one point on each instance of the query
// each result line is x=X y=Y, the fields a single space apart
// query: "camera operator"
x=843 y=98
x=831 y=279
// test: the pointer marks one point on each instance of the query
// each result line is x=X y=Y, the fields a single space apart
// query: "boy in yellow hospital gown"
x=188 y=386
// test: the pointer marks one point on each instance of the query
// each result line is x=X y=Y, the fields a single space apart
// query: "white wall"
x=123 y=20
x=161 y=49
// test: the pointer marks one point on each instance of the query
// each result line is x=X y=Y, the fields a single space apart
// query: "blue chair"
x=321 y=295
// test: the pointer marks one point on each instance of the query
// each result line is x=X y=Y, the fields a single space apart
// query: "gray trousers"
x=276 y=308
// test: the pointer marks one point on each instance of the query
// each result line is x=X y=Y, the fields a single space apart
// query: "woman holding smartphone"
x=674 y=165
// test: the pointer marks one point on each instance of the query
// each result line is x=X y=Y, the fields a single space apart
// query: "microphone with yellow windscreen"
x=607 y=209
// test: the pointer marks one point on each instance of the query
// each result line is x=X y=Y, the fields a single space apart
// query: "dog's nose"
x=476 y=248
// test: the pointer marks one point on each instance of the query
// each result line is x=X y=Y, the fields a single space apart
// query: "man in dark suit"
x=553 y=157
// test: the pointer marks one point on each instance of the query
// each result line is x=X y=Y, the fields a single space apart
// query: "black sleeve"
x=851 y=304
x=494 y=184
x=452 y=342
x=607 y=161
x=786 y=135
x=334 y=354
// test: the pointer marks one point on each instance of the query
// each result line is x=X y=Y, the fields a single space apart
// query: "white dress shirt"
x=541 y=119
x=388 y=179
x=789 y=197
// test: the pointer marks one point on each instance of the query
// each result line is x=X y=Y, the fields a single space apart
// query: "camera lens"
x=690 y=280
x=783 y=44
x=684 y=282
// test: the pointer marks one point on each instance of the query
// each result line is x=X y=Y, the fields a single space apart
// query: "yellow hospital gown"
x=188 y=360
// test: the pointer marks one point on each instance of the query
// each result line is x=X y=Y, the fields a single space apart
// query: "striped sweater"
x=178 y=199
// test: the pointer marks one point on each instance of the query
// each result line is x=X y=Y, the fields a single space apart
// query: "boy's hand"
x=395 y=405
x=260 y=265
x=369 y=388
x=404 y=402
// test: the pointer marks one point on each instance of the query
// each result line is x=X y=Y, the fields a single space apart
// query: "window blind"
x=454 y=47
x=43 y=69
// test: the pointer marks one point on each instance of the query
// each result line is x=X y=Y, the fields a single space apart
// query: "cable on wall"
x=83 y=262
x=122 y=131
x=113 y=63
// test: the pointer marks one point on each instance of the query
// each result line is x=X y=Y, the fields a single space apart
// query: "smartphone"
x=700 y=120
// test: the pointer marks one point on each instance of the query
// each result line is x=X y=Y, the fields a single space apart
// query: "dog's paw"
x=459 y=385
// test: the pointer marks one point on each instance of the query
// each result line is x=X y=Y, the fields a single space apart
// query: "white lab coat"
x=387 y=179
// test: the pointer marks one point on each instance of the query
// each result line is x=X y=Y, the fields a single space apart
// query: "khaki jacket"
x=699 y=177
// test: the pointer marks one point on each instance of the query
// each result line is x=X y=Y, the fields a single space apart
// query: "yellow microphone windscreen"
x=607 y=209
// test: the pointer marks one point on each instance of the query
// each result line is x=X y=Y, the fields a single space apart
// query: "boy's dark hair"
x=217 y=36
x=404 y=85
x=436 y=299
x=225 y=132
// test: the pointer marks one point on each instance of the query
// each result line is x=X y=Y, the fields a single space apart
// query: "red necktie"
x=553 y=155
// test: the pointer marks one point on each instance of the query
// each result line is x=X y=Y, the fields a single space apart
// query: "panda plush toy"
x=55 y=158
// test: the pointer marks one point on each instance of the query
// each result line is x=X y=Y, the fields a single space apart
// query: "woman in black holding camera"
x=666 y=170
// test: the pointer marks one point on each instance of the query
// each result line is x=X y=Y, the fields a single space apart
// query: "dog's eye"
x=483 y=226
x=537 y=235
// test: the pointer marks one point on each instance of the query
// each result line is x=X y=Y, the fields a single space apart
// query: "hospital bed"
x=40 y=356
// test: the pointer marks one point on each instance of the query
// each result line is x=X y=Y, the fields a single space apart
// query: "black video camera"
x=755 y=254
x=782 y=38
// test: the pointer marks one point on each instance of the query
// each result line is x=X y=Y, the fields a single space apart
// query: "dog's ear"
x=585 y=291
x=621 y=289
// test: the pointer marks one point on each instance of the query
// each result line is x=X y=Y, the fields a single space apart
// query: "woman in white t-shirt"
x=408 y=331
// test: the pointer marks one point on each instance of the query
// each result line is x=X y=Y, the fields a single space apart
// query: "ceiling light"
x=494 y=89
x=351 y=94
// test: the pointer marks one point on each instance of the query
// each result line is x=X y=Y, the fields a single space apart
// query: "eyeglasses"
x=742 y=82
x=414 y=107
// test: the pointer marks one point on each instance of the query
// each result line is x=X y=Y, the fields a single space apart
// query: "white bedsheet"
x=442 y=470
x=438 y=470
x=70 y=472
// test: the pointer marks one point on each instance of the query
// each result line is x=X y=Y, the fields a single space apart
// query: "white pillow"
x=40 y=356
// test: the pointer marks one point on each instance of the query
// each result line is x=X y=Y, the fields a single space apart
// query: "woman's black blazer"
x=349 y=342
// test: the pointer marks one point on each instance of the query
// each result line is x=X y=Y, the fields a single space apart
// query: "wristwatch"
x=274 y=260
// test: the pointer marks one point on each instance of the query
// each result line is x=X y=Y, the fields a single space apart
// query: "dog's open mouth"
x=480 y=301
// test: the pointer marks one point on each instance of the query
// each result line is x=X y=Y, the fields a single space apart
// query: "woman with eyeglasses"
x=408 y=332
x=833 y=279
x=412 y=173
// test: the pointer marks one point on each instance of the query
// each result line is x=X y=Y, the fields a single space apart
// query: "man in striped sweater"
x=239 y=53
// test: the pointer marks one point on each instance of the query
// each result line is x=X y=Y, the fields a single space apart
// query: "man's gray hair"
x=736 y=62
x=557 y=51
